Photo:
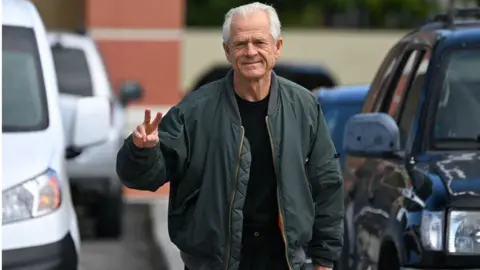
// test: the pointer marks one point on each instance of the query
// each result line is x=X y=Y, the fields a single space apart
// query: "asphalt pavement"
x=170 y=254
x=135 y=250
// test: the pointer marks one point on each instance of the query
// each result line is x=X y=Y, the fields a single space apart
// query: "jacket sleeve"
x=151 y=168
x=328 y=195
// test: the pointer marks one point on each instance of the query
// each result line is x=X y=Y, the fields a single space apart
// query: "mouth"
x=251 y=63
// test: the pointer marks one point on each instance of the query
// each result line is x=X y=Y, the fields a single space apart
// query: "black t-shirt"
x=261 y=206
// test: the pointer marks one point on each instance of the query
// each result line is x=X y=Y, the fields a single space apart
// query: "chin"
x=253 y=74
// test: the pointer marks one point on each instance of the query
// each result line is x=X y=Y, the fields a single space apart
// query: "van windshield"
x=24 y=102
x=458 y=111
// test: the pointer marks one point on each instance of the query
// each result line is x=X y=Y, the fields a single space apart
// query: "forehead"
x=253 y=23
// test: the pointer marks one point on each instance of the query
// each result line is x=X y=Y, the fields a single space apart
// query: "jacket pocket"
x=179 y=217
x=187 y=202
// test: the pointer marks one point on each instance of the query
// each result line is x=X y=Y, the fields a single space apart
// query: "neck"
x=252 y=90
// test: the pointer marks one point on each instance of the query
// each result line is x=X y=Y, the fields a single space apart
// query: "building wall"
x=352 y=55
x=141 y=40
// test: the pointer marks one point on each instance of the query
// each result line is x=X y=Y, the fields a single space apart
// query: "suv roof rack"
x=448 y=18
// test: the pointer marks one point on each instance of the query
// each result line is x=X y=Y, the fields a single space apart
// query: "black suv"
x=413 y=159
x=307 y=75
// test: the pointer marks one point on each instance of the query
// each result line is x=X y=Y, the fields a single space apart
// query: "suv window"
x=24 y=101
x=395 y=99
x=383 y=77
x=401 y=83
x=411 y=101
x=73 y=74
x=458 y=111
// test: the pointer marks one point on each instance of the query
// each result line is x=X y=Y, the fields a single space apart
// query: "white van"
x=39 y=225
x=96 y=189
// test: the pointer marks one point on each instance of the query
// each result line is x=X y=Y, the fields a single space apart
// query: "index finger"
x=148 y=116
x=157 y=119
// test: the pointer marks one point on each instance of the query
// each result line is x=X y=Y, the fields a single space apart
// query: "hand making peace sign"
x=146 y=134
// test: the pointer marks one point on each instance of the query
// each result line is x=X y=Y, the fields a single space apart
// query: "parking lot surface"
x=133 y=251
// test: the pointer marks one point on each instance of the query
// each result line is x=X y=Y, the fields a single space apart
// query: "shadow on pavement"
x=135 y=250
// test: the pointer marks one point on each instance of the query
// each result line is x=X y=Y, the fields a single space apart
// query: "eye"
x=240 y=44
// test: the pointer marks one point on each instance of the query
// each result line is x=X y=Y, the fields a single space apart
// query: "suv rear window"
x=73 y=74
x=24 y=101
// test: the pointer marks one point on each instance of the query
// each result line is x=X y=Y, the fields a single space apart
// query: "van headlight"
x=432 y=229
x=464 y=232
x=34 y=198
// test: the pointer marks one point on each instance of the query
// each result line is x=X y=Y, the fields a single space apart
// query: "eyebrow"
x=240 y=42
x=254 y=39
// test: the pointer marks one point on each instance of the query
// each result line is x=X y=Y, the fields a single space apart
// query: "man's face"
x=251 y=49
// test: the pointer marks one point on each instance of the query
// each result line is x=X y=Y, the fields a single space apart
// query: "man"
x=254 y=176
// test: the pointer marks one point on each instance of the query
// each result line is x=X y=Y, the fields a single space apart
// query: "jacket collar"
x=232 y=105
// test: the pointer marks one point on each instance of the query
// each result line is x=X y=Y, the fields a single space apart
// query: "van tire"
x=109 y=216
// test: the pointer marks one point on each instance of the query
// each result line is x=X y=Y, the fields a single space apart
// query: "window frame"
x=424 y=51
x=382 y=79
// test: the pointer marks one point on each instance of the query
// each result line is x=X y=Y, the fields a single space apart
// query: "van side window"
x=382 y=77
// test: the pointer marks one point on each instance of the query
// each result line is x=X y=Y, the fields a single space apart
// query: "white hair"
x=275 y=26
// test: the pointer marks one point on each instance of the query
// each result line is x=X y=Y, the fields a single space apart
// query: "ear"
x=226 y=49
x=278 y=48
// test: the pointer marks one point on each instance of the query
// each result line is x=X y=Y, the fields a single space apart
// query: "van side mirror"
x=130 y=91
x=91 y=121
x=371 y=135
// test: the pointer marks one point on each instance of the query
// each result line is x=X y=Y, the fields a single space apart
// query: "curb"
x=166 y=255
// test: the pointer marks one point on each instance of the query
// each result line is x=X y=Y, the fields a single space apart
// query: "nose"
x=251 y=49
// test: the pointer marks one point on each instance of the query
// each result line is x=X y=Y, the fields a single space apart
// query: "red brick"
x=155 y=64
x=135 y=14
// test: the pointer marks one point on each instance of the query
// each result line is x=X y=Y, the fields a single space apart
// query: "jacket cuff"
x=138 y=152
x=322 y=262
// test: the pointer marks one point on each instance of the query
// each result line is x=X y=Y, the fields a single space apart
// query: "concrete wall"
x=352 y=55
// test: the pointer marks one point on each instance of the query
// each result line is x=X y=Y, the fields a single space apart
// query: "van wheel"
x=109 y=215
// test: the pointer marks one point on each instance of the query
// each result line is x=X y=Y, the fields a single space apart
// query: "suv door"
x=357 y=169
x=382 y=180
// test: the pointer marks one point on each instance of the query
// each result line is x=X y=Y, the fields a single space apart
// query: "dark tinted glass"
x=336 y=115
x=458 y=111
x=24 y=102
x=73 y=74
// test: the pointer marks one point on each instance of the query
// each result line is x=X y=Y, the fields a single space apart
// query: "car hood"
x=24 y=156
x=459 y=171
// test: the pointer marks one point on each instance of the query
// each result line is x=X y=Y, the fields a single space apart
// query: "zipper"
x=278 y=193
x=234 y=189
